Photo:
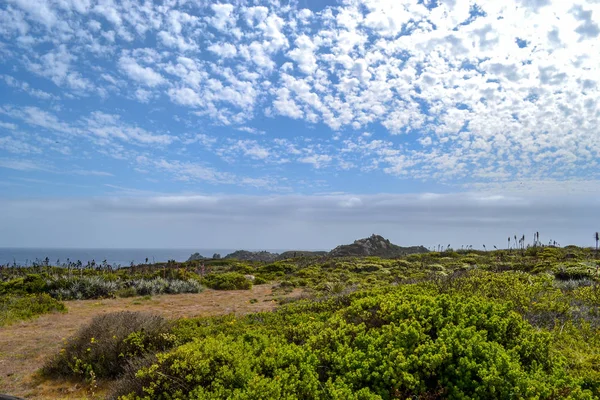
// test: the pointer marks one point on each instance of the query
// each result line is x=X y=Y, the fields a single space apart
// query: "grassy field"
x=468 y=324
x=25 y=346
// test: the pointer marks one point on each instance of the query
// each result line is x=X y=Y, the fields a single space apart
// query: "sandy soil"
x=25 y=346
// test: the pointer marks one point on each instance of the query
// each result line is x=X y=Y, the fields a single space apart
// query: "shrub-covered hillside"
x=459 y=325
x=446 y=339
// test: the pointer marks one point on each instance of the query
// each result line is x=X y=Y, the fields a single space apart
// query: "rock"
x=374 y=245
x=196 y=256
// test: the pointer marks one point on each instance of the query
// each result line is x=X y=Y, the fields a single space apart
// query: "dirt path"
x=26 y=345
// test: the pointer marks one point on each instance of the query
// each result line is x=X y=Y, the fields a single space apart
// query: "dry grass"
x=25 y=346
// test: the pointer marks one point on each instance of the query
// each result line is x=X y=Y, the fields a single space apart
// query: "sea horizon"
x=23 y=256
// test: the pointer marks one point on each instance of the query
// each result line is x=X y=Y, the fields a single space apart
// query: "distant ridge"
x=374 y=245
x=246 y=255
x=270 y=257
x=301 y=253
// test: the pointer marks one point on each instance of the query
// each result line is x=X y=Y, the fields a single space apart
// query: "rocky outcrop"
x=374 y=245
x=245 y=255
x=196 y=256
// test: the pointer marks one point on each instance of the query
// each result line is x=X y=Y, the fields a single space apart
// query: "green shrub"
x=227 y=281
x=179 y=274
x=366 y=268
x=260 y=280
x=158 y=286
x=372 y=345
x=242 y=269
x=549 y=254
x=103 y=348
x=14 y=308
x=30 y=284
x=574 y=273
x=589 y=294
x=279 y=266
x=436 y=267
x=126 y=292
x=468 y=260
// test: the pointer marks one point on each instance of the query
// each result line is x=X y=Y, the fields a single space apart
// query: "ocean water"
x=124 y=257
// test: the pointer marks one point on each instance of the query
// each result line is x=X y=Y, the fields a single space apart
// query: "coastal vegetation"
x=518 y=323
x=17 y=307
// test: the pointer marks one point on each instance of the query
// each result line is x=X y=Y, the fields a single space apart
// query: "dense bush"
x=574 y=272
x=14 y=308
x=393 y=343
x=29 y=284
x=227 y=281
x=163 y=286
x=93 y=287
x=104 y=347
x=89 y=287
x=126 y=292
x=259 y=280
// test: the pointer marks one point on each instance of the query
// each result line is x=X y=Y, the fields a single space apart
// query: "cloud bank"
x=310 y=222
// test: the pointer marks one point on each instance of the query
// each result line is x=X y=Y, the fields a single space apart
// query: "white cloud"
x=510 y=91
x=304 y=55
x=185 y=97
x=286 y=106
x=37 y=117
x=171 y=40
x=316 y=160
x=7 y=125
x=140 y=74
x=223 y=50
x=16 y=146
x=110 y=126
x=143 y=95
x=57 y=65
x=201 y=138
x=250 y=148
x=223 y=18
x=85 y=172
x=187 y=171
x=102 y=127
x=21 y=165
x=40 y=11
x=12 y=21
x=249 y=129
x=108 y=9
x=178 y=22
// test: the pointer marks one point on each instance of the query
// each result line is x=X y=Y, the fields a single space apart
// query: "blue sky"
x=337 y=113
